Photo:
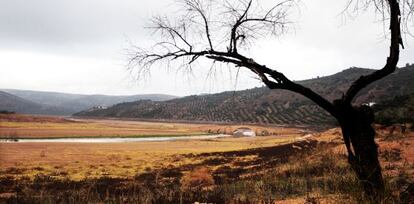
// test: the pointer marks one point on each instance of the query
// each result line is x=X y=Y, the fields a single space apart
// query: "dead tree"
x=219 y=30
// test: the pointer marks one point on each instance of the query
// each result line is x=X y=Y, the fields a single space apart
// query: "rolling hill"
x=9 y=102
x=13 y=103
x=261 y=105
x=54 y=103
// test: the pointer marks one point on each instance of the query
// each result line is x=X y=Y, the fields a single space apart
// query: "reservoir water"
x=116 y=139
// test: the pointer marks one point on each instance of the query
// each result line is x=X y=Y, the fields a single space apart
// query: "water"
x=114 y=139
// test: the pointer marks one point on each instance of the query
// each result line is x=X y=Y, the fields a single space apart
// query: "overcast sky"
x=78 y=46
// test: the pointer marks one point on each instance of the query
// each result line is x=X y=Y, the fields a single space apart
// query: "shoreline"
x=113 y=139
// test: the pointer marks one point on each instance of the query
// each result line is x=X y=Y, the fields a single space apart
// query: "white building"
x=244 y=132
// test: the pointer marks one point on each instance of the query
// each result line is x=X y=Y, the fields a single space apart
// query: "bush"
x=198 y=178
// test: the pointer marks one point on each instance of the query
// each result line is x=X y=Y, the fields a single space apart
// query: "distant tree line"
x=7 y=112
x=396 y=111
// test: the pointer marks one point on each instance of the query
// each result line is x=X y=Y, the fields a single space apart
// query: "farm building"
x=244 y=132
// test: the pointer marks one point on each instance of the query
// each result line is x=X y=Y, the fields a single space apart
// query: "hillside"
x=13 y=103
x=261 y=105
x=9 y=102
x=397 y=110
x=53 y=103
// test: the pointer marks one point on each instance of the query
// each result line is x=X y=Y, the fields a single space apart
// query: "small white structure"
x=244 y=132
x=370 y=104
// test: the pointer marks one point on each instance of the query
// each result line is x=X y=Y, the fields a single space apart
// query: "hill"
x=261 y=105
x=9 y=102
x=54 y=103
x=397 y=110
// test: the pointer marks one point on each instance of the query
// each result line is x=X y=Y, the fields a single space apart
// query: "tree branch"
x=268 y=20
x=271 y=18
x=233 y=37
x=392 y=60
x=281 y=81
x=197 y=6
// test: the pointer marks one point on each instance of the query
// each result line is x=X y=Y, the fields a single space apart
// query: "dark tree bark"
x=355 y=122
x=359 y=137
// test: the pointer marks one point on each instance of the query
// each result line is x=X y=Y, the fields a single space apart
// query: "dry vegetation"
x=24 y=126
x=91 y=160
x=286 y=169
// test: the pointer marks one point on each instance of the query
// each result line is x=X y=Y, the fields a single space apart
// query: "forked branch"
x=392 y=60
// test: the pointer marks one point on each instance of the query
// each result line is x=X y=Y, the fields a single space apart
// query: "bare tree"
x=218 y=30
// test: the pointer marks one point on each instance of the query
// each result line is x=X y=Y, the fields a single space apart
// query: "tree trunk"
x=359 y=137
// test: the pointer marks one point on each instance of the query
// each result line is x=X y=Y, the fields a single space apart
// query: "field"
x=23 y=126
x=79 y=161
x=94 y=160
x=288 y=165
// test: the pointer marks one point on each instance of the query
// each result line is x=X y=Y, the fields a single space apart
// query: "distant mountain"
x=261 y=105
x=54 y=103
x=9 y=102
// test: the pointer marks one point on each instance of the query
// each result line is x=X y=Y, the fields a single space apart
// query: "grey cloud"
x=58 y=23
x=76 y=30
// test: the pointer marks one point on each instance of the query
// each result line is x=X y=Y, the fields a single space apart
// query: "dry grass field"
x=288 y=166
x=93 y=160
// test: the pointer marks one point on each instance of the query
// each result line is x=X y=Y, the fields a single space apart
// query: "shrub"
x=198 y=178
